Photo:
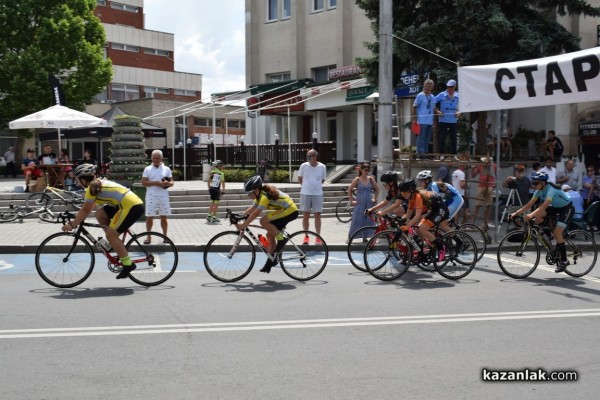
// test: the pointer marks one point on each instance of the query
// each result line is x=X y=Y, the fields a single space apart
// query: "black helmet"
x=85 y=170
x=253 y=183
x=407 y=185
x=389 y=176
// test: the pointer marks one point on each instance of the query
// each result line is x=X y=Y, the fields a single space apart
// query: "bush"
x=279 y=175
x=238 y=174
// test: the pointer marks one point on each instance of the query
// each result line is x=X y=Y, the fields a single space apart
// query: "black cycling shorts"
x=135 y=212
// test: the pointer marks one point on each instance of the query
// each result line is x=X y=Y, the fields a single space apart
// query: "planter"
x=137 y=159
x=128 y=129
x=127 y=120
x=126 y=136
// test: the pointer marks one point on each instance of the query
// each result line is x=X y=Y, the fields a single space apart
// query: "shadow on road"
x=86 y=293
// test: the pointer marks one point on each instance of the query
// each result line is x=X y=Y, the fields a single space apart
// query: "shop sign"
x=589 y=128
x=278 y=104
x=344 y=72
x=409 y=86
x=359 y=93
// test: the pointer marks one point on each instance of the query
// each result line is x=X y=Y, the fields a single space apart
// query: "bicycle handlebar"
x=234 y=218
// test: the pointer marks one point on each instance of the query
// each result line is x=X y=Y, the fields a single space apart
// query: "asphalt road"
x=343 y=335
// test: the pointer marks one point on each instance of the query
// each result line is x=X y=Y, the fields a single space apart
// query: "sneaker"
x=268 y=265
x=306 y=240
x=216 y=220
x=125 y=271
x=27 y=189
x=318 y=241
x=561 y=266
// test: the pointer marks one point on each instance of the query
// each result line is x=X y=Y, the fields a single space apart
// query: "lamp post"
x=315 y=137
x=210 y=150
x=243 y=151
x=276 y=136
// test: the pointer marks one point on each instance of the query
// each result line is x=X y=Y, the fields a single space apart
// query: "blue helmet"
x=539 y=176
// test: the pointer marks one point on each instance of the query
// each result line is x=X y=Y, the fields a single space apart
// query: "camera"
x=512 y=183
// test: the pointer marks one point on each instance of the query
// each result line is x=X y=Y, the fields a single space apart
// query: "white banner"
x=562 y=79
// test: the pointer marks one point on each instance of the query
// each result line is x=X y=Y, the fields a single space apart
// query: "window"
x=278 y=77
x=183 y=92
x=287 y=11
x=321 y=74
x=235 y=123
x=124 y=7
x=124 y=47
x=121 y=92
x=272 y=10
x=202 y=121
x=157 y=52
x=149 y=91
x=317 y=5
x=101 y=2
x=332 y=3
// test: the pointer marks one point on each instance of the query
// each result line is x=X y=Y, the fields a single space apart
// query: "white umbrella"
x=56 y=117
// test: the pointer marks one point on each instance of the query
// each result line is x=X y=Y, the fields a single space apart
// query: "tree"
x=42 y=38
x=472 y=32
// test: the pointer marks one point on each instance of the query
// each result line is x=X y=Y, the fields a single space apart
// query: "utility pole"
x=384 y=131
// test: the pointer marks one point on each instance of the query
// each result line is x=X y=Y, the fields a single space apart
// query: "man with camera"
x=157 y=178
x=520 y=183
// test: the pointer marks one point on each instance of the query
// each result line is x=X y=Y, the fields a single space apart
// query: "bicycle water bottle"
x=103 y=244
x=263 y=240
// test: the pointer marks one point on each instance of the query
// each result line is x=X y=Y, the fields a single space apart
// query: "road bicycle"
x=389 y=253
x=16 y=212
x=66 y=259
x=519 y=251
x=480 y=238
x=230 y=256
x=358 y=241
x=345 y=207
x=50 y=195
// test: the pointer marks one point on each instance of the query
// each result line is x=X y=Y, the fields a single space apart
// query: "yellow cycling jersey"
x=282 y=207
x=113 y=194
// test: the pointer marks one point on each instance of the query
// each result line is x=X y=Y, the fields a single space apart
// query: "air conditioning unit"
x=149 y=95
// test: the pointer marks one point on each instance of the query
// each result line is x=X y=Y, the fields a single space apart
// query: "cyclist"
x=216 y=189
x=281 y=208
x=429 y=209
x=121 y=208
x=452 y=197
x=555 y=203
x=390 y=183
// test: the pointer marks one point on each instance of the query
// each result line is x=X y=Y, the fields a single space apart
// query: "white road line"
x=293 y=324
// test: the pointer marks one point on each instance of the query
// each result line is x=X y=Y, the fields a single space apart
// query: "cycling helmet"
x=253 y=183
x=539 y=176
x=426 y=174
x=389 y=176
x=217 y=163
x=407 y=185
x=85 y=170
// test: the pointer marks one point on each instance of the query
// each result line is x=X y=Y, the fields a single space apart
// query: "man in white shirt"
x=157 y=178
x=549 y=169
x=312 y=175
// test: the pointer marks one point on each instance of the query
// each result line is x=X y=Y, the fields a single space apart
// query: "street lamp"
x=210 y=150
x=243 y=151
x=276 y=136
x=315 y=136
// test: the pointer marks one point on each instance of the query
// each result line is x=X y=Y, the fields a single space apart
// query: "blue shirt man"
x=448 y=112
x=423 y=112
x=576 y=199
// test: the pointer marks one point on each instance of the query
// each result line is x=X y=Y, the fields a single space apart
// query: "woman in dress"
x=364 y=184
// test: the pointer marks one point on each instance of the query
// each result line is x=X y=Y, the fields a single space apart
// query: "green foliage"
x=39 y=38
x=523 y=135
x=237 y=175
x=279 y=175
x=472 y=32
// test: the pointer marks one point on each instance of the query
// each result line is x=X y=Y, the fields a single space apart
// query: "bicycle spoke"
x=155 y=262
x=62 y=262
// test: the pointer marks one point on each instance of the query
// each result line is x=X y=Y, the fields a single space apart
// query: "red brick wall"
x=109 y=15
x=140 y=60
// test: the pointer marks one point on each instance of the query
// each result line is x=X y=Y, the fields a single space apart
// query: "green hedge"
x=241 y=175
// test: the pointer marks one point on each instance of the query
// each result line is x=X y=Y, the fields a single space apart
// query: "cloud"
x=209 y=39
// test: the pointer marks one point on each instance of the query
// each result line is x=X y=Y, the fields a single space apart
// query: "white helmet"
x=426 y=174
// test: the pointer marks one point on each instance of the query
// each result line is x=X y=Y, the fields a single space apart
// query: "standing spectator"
x=9 y=156
x=570 y=176
x=423 y=111
x=364 y=184
x=48 y=157
x=88 y=158
x=595 y=196
x=549 y=169
x=485 y=188
x=312 y=175
x=216 y=189
x=29 y=166
x=554 y=146
x=443 y=175
x=459 y=182
x=576 y=199
x=448 y=112
x=520 y=183
x=506 y=144
x=587 y=186
x=157 y=178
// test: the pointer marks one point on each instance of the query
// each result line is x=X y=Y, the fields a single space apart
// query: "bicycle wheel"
x=387 y=255
x=357 y=244
x=581 y=253
x=478 y=236
x=155 y=262
x=517 y=255
x=64 y=260
x=343 y=210
x=459 y=256
x=227 y=261
x=303 y=262
x=48 y=216
x=8 y=215
x=74 y=198
x=39 y=199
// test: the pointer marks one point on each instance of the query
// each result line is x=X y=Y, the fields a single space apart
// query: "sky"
x=209 y=39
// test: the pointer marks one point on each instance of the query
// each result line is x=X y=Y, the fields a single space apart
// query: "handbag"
x=415 y=128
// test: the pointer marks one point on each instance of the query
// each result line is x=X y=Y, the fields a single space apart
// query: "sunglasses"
x=535 y=183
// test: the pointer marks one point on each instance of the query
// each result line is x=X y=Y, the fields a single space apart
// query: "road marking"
x=292 y=324
x=5 y=265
